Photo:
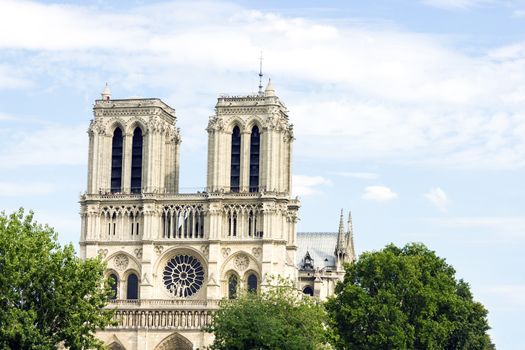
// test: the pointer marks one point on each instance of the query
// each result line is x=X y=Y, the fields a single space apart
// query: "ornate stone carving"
x=183 y=276
x=158 y=249
x=256 y=252
x=211 y=280
x=215 y=123
x=205 y=250
x=173 y=134
x=97 y=126
x=157 y=125
x=102 y=253
x=241 y=262
x=226 y=252
x=121 y=262
x=138 y=253
x=145 y=279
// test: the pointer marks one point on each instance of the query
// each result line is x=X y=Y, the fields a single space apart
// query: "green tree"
x=47 y=294
x=406 y=298
x=279 y=318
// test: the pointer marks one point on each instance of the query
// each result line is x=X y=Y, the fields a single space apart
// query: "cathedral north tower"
x=250 y=144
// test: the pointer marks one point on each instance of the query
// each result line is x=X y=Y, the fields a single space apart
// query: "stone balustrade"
x=187 y=319
x=158 y=303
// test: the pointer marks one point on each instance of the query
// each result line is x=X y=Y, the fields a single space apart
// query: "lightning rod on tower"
x=260 y=75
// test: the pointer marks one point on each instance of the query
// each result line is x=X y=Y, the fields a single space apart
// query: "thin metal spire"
x=260 y=74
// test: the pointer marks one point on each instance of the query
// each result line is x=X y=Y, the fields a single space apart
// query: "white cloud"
x=379 y=194
x=518 y=13
x=508 y=226
x=4 y=116
x=438 y=197
x=454 y=4
x=304 y=185
x=17 y=189
x=372 y=92
x=57 y=145
x=512 y=294
x=11 y=78
x=359 y=175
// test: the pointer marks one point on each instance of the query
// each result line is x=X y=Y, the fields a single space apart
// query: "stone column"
x=245 y=161
x=126 y=162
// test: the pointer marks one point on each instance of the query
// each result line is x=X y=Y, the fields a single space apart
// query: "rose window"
x=183 y=275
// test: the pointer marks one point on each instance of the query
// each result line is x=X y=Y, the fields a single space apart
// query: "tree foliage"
x=47 y=294
x=406 y=298
x=278 y=318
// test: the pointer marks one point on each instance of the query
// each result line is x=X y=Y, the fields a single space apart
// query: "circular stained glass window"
x=183 y=275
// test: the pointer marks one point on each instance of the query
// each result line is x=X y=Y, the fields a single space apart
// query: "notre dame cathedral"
x=174 y=256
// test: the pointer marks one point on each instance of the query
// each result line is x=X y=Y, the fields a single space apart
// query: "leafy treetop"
x=48 y=296
x=279 y=317
x=406 y=298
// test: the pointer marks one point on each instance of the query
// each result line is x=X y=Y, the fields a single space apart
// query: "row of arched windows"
x=132 y=286
x=233 y=285
x=117 y=153
x=235 y=170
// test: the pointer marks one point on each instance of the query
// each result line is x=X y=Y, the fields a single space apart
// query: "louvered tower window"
x=136 y=161
x=254 y=159
x=116 y=161
x=235 y=160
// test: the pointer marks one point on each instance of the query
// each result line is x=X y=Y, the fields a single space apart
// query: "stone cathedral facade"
x=174 y=256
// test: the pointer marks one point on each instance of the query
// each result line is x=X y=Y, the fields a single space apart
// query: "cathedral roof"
x=320 y=245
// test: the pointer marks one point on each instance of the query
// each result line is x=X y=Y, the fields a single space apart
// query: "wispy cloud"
x=423 y=102
x=57 y=145
x=510 y=226
x=379 y=194
x=11 y=77
x=438 y=197
x=455 y=4
x=359 y=175
x=518 y=13
x=304 y=185
x=513 y=294
x=18 y=189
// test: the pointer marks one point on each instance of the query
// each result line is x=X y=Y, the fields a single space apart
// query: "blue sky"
x=409 y=113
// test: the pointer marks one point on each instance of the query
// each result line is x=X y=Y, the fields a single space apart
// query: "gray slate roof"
x=320 y=245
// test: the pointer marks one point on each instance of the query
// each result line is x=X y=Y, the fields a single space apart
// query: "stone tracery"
x=183 y=276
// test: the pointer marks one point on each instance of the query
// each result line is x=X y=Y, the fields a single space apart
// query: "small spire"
x=340 y=235
x=269 y=91
x=350 y=238
x=260 y=75
x=106 y=93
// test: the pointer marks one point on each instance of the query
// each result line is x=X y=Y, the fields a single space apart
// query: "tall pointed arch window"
x=252 y=283
x=113 y=280
x=235 y=173
x=136 y=161
x=233 y=282
x=255 y=139
x=116 y=161
x=132 y=290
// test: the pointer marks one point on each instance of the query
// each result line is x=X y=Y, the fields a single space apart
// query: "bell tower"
x=133 y=155
x=250 y=144
x=249 y=173
x=133 y=146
